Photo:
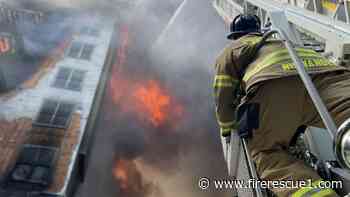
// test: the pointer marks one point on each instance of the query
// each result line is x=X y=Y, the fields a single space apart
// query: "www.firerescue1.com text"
x=205 y=183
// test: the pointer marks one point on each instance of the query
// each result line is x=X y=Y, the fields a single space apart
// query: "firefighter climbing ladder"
x=295 y=22
x=320 y=106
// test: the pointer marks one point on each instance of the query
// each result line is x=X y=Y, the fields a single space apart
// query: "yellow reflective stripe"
x=304 y=190
x=300 y=192
x=284 y=52
x=223 y=77
x=224 y=81
x=309 y=64
x=313 y=190
x=234 y=126
x=226 y=124
x=323 y=193
x=251 y=40
x=286 y=57
x=225 y=130
x=278 y=56
x=259 y=67
x=222 y=84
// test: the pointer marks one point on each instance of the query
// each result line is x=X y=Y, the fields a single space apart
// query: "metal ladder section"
x=334 y=33
x=339 y=11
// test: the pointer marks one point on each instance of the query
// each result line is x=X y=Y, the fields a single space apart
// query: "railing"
x=11 y=15
x=330 y=28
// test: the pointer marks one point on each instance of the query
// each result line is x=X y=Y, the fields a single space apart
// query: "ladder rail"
x=335 y=33
x=251 y=168
x=315 y=96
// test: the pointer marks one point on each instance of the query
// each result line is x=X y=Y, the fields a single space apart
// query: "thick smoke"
x=166 y=161
x=170 y=160
x=35 y=40
x=173 y=159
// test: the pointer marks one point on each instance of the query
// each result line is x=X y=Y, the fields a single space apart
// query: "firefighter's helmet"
x=244 y=24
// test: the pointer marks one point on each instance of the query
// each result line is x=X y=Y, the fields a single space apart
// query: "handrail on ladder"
x=315 y=96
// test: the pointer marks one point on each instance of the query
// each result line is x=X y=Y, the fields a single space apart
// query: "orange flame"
x=4 y=45
x=130 y=179
x=120 y=172
x=146 y=98
x=153 y=101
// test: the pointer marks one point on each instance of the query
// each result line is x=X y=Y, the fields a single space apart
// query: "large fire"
x=142 y=98
x=146 y=98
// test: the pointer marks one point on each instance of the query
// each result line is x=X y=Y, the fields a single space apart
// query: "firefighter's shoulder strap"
x=256 y=49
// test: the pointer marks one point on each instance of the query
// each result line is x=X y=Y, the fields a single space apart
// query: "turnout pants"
x=284 y=106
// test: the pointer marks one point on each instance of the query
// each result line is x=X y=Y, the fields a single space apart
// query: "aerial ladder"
x=324 y=26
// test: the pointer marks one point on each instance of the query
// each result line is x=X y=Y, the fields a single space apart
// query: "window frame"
x=65 y=81
x=45 y=112
x=81 y=48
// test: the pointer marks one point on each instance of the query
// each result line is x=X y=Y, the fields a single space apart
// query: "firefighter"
x=267 y=77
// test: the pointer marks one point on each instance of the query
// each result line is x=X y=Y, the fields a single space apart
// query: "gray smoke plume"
x=168 y=160
x=171 y=160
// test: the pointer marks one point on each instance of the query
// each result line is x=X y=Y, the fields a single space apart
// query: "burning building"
x=47 y=117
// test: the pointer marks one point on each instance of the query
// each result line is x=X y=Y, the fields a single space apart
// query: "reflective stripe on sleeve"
x=222 y=84
x=223 y=77
x=225 y=132
x=224 y=81
x=226 y=124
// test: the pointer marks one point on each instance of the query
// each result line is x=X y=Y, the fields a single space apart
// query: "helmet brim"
x=237 y=34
